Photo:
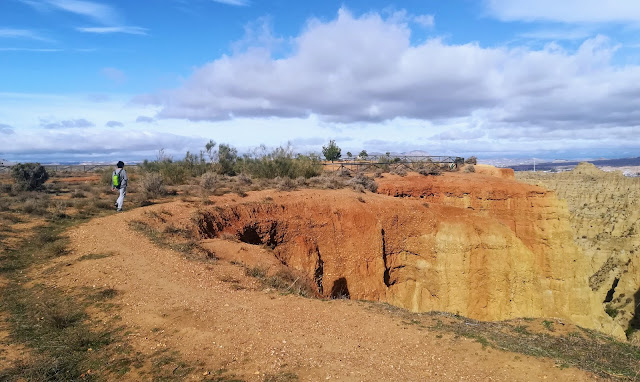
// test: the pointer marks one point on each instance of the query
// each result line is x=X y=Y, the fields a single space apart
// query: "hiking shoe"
x=119 y=210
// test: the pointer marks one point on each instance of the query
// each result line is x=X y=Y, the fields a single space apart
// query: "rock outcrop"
x=482 y=246
x=605 y=214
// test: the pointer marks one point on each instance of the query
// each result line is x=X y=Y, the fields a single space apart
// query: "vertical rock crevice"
x=319 y=273
x=386 y=277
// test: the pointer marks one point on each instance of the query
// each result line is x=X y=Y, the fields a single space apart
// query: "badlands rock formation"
x=605 y=214
x=483 y=246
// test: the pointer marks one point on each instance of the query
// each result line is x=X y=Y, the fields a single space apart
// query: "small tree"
x=29 y=176
x=332 y=151
x=209 y=147
x=227 y=158
x=363 y=154
x=349 y=154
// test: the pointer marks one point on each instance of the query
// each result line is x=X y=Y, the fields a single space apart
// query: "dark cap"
x=120 y=164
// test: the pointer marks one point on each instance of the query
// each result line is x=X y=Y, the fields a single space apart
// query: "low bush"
x=430 y=169
x=209 y=181
x=469 y=168
x=35 y=206
x=363 y=182
x=244 y=179
x=286 y=184
x=326 y=181
x=29 y=176
x=399 y=170
x=153 y=185
x=471 y=160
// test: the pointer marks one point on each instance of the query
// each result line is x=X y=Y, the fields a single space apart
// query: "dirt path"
x=217 y=318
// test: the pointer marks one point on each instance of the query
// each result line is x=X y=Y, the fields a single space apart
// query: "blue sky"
x=108 y=80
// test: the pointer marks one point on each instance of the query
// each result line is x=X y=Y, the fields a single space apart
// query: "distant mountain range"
x=567 y=165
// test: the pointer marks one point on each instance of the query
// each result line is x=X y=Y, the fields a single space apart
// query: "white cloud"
x=366 y=69
x=106 y=15
x=72 y=123
x=23 y=34
x=427 y=21
x=99 y=144
x=240 y=3
x=558 y=34
x=566 y=11
x=117 y=29
x=38 y=50
x=96 y=11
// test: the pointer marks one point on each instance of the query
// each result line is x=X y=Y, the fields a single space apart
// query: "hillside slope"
x=605 y=214
x=216 y=318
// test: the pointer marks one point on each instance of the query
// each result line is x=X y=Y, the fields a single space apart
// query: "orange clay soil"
x=218 y=318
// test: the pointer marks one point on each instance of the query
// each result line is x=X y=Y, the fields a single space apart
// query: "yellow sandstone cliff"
x=605 y=215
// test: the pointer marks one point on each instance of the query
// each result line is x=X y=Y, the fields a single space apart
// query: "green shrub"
x=195 y=165
x=280 y=162
x=611 y=311
x=172 y=172
x=29 y=176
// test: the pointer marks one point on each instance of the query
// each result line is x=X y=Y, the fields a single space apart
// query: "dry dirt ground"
x=217 y=318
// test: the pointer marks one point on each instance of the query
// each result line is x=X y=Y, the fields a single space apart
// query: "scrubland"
x=91 y=294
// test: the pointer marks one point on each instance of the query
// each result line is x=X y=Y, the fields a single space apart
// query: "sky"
x=88 y=81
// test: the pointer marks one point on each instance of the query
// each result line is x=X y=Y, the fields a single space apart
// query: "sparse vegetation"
x=152 y=185
x=471 y=160
x=587 y=350
x=285 y=281
x=209 y=181
x=611 y=311
x=56 y=328
x=280 y=162
x=175 y=239
x=362 y=182
x=430 y=169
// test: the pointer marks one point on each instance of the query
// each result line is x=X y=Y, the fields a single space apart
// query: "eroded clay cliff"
x=605 y=214
x=482 y=246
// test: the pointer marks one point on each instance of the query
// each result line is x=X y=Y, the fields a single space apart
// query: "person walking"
x=119 y=182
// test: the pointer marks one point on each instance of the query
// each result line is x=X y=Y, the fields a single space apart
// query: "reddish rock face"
x=482 y=246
